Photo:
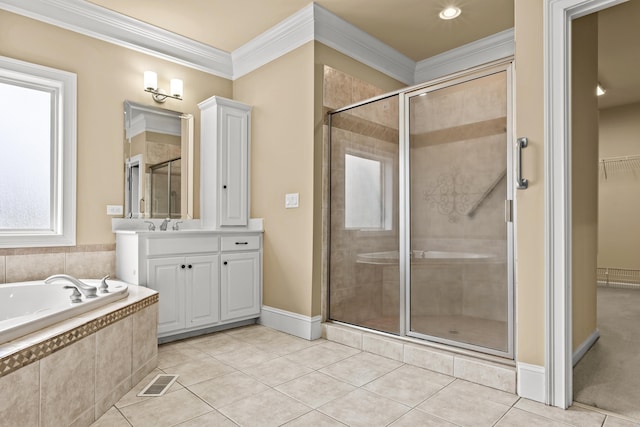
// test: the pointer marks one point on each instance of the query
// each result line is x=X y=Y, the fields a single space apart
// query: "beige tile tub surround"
x=87 y=261
x=501 y=376
x=73 y=372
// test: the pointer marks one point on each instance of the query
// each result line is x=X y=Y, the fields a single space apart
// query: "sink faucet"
x=163 y=226
x=87 y=290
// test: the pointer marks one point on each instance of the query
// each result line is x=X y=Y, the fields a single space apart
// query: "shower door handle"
x=523 y=183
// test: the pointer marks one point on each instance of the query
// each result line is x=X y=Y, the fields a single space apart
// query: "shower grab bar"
x=523 y=183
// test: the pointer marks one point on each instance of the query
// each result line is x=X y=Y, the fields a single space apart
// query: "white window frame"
x=62 y=86
x=386 y=165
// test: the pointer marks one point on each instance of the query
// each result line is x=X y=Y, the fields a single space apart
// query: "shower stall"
x=165 y=189
x=421 y=231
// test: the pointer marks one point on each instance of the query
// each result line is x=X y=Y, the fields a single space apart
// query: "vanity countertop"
x=187 y=227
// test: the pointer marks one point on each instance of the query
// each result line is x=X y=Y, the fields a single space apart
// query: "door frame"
x=558 y=15
x=506 y=66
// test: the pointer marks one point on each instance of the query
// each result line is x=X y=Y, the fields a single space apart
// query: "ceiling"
x=412 y=27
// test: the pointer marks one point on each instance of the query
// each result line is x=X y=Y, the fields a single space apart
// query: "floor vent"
x=158 y=386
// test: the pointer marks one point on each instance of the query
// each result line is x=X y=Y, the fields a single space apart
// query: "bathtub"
x=29 y=306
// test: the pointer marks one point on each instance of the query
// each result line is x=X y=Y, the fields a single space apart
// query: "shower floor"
x=465 y=329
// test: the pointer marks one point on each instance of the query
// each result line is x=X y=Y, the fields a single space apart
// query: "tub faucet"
x=163 y=226
x=75 y=296
x=87 y=290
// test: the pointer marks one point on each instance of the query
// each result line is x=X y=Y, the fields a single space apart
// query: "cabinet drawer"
x=240 y=243
x=182 y=245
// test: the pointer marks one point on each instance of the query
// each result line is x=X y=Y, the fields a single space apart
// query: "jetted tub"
x=29 y=306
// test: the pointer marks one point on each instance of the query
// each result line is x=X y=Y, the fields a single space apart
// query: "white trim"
x=94 y=21
x=346 y=38
x=277 y=41
x=585 y=346
x=531 y=381
x=557 y=171
x=296 y=324
x=63 y=85
x=492 y=48
x=310 y=23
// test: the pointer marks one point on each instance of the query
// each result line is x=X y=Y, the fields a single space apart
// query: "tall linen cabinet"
x=224 y=165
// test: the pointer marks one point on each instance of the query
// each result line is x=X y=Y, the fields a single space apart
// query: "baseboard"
x=296 y=324
x=531 y=382
x=585 y=346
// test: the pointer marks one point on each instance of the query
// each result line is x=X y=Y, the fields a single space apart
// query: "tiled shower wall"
x=87 y=262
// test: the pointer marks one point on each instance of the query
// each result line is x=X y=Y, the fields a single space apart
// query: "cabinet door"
x=240 y=285
x=202 y=290
x=234 y=166
x=166 y=276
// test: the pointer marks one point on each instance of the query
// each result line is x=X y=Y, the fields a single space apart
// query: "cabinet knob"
x=190 y=266
x=224 y=186
x=225 y=263
x=182 y=266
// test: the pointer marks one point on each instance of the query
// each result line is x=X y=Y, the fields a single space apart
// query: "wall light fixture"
x=160 y=95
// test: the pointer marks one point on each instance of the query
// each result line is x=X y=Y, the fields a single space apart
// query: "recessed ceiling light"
x=600 y=90
x=450 y=12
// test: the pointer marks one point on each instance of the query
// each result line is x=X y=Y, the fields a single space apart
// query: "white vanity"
x=206 y=278
x=209 y=271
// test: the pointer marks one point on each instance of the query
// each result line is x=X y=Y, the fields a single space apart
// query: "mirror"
x=158 y=162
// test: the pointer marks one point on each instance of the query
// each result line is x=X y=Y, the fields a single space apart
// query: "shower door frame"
x=404 y=199
x=405 y=205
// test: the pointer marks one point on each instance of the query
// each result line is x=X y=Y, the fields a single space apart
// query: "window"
x=38 y=162
x=367 y=192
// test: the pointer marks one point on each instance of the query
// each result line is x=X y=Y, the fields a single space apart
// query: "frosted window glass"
x=25 y=164
x=363 y=192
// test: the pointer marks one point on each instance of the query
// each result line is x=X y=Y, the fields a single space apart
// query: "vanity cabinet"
x=205 y=279
x=189 y=289
x=224 y=162
x=239 y=277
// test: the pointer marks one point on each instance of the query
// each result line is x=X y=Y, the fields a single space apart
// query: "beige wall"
x=287 y=156
x=281 y=94
x=619 y=193
x=584 y=176
x=529 y=122
x=107 y=75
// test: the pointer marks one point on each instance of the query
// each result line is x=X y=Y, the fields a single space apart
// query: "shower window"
x=368 y=192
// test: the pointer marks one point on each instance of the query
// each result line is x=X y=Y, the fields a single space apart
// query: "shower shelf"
x=619 y=164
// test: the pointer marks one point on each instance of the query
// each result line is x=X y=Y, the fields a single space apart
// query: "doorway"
x=558 y=197
x=420 y=182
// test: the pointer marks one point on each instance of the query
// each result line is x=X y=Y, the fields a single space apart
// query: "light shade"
x=150 y=80
x=600 y=90
x=176 y=87
x=450 y=12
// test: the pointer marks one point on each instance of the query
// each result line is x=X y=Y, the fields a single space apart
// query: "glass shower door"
x=459 y=271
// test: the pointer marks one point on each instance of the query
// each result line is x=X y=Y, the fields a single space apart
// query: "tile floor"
x=256 y=376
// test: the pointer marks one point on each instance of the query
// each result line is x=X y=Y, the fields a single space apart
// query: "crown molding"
x=310 y=23
x=346 y=38
x=101 y=23
x=492 y=48
x=277 y=41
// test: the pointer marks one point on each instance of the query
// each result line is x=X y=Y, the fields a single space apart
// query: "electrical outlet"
x=114 y=210
x=291 y=200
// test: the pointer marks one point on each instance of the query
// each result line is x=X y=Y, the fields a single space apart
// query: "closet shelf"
x=619 y=164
